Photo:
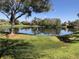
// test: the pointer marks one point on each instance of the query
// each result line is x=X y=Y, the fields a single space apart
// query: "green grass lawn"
x=38 y=47
x=19 y=26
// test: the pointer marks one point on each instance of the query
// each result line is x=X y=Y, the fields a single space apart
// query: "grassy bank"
x=19 y=26
x=37 y=47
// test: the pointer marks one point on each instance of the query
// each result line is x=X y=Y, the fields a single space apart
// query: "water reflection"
x=38 y=31
x=65 y=32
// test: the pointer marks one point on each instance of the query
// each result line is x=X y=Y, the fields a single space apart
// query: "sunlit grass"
x=38 y=47
x=18 y=26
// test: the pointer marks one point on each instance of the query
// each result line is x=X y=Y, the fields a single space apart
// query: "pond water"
x=39 y=31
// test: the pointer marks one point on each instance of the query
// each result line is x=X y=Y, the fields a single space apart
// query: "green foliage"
x=78 y=14
x=50 y=22
x=75 y=23
x=25 y=23
x=24 y=6
x=58 y=23
x=4 y=22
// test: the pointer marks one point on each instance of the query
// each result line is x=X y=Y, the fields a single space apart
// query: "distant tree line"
x=73 y=24
x=3 y=22
x=76 y=23
x=47 y=22
x=53 y=22
x=7 y=22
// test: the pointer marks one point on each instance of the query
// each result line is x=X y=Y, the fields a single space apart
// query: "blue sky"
x=63 y=9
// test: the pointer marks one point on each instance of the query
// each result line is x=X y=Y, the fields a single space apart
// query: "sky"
x=66 y=10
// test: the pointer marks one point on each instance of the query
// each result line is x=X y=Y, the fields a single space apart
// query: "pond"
x=39 y=31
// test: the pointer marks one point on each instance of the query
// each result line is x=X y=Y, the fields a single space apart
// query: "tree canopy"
x=13 y=7
x=78 y=14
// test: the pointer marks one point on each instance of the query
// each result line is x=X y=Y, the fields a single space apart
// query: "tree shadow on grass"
x=16 y=49
x=67 y=40
x=64 y=39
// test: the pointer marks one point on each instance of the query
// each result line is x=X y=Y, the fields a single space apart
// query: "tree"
x=36 y=21
x=58 y=22
x=53 y=22
x=17 y=22
x=78 y=14
x=14 y=9
x=25 y=23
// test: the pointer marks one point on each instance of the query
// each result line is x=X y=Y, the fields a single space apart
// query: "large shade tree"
x=78 y=14
x=14 y=9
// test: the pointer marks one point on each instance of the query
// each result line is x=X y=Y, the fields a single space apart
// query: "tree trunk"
x=12 y=30
x=12 y=22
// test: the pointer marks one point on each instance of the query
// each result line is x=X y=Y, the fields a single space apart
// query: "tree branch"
x=5 y=14
x=20 y=15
